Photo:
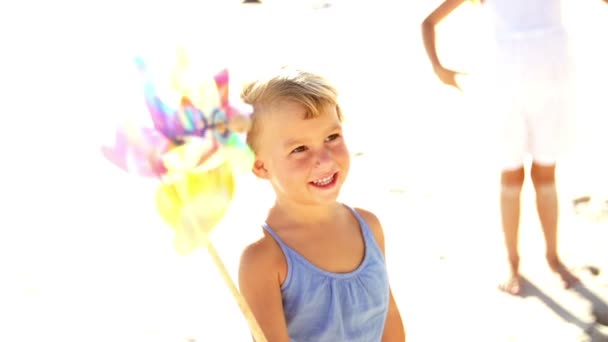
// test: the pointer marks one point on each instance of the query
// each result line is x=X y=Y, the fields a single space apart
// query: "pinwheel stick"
x=255 y=328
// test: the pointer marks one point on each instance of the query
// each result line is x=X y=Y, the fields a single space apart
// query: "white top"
x=527 y=33
x=521 y=18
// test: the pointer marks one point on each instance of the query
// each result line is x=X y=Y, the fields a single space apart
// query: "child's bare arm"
x=260 y=285
x=393 y=328
x=429 y=39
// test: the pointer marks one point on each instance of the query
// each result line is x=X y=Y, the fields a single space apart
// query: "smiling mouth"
x=326 y=181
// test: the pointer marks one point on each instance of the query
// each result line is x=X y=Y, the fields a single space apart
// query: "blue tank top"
x=321 y=306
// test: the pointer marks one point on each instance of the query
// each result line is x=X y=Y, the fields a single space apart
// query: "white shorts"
x=533 y=99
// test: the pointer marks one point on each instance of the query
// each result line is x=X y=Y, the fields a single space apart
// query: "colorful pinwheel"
x=193 y=144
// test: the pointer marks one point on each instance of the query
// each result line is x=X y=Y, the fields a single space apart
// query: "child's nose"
x=324 y=157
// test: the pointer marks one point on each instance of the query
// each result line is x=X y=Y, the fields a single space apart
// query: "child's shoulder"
x=262 y=255
x=370 y=218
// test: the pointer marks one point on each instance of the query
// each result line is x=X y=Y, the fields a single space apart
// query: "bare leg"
x=543 y=178
x=511 y=184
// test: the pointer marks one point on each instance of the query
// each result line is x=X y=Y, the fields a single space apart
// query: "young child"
x=318 y=273
x=531 y=89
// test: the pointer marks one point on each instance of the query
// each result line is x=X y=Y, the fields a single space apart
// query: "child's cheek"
x=340 y=148
x=299 y=163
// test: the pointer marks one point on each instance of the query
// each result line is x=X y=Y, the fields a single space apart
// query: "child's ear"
x=259 y=169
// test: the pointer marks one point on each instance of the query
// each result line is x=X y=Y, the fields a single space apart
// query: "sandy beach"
x=83 y=257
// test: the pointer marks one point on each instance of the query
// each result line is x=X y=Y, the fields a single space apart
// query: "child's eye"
x=332 y=137
x=299 y=149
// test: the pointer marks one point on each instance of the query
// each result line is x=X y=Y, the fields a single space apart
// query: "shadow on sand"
x=600 y=309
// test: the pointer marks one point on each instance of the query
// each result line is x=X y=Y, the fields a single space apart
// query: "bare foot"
x=568 y=278
x=512 y=285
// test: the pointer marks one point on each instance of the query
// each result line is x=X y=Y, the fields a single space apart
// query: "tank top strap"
x=357 y=216
x=286 y=250
x=370 y=240
x=272 y=233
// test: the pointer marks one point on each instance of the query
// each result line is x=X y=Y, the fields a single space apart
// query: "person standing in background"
x=531 y=87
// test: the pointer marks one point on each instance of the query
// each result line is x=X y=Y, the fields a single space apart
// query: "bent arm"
x=428 y=29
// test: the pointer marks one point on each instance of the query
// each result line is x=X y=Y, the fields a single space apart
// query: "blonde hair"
x=308 y=89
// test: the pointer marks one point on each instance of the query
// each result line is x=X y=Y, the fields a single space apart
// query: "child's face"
x=306 y=160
